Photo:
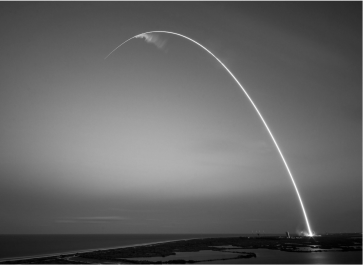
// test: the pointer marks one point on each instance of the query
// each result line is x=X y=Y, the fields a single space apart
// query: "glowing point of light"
x=147 y=37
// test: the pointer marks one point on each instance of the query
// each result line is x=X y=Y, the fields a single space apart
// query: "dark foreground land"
x=242 y=247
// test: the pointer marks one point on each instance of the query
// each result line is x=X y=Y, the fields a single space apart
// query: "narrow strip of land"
x=213 y=249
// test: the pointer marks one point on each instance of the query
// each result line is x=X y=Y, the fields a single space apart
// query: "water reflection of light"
x=318 y=258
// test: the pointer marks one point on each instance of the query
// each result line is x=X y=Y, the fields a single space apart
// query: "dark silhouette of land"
x=242 y=247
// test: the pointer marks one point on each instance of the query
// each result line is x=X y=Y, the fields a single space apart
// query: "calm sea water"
x=34 y=245
x=267 y=256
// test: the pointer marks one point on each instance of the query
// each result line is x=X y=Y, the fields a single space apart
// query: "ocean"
x=14 y=246
x=267 y=256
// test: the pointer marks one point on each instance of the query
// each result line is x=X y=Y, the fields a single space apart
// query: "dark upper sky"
x=162 y=140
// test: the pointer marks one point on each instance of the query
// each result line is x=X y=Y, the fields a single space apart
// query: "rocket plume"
x=150 y=37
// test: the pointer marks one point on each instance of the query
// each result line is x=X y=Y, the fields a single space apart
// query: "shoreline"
x=96 y=249
x=80 y=251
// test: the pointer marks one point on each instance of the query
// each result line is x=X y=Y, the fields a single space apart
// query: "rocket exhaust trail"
x=146 y=35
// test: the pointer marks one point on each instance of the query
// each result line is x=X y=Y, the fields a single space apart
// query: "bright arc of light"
x=253 y=104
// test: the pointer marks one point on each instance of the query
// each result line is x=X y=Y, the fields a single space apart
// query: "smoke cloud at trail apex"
x=152 y=38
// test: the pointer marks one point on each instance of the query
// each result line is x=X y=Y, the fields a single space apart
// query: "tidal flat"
x=328 y=249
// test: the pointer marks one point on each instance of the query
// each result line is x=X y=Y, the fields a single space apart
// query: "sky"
x=160 y=138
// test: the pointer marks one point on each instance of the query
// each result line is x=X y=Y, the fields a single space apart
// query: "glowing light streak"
x=147 y=37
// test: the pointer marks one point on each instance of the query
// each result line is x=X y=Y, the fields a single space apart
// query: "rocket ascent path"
x=148 y=38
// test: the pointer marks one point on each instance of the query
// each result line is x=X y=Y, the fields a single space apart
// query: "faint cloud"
x=92 y=219
x=114 y=209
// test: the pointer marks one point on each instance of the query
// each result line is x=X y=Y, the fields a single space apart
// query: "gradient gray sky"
x=162 y=140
